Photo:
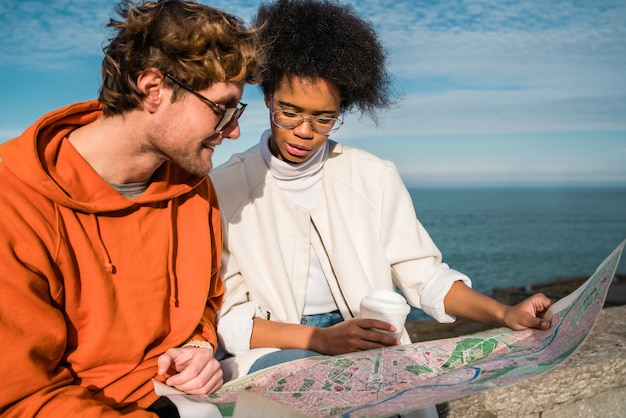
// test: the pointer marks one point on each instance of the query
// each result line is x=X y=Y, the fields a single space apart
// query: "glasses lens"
x=230 y=113
x=286 y=120
x=289 y=120
x=325 y=126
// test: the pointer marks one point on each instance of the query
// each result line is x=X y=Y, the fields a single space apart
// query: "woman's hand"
x=345 y=337
x=528 y=313
x=357 y=334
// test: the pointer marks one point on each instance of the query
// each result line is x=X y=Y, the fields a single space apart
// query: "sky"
x=511 y=92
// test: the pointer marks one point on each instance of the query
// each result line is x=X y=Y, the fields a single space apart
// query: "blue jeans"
x=324 y=320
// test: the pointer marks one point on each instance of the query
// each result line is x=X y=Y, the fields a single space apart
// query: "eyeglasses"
x=323 y=125
x=226 y=114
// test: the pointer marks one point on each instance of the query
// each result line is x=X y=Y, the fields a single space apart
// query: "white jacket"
x=364 y=223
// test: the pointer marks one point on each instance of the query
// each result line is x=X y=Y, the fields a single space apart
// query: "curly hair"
x=323 y=39
x=198 y=44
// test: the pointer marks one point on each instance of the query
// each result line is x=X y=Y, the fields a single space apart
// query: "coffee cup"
x=388 y=306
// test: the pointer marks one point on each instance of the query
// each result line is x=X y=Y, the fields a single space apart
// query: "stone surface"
x=590 y=383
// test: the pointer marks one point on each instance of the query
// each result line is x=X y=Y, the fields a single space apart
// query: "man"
x=110 y=229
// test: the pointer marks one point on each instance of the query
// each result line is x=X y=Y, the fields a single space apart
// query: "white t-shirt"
x=302 y=184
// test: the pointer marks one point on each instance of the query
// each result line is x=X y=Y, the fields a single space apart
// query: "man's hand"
x=357 y=334
x=197 y=370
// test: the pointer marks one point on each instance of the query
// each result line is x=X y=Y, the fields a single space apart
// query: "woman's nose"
x=305 y=129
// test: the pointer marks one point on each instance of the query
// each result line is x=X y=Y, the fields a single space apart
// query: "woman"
x=311 y=225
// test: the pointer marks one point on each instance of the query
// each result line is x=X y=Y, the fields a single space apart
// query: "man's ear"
x=267 y=101
x=150 y=84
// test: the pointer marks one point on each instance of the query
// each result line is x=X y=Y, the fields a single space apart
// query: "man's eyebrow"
x=227 y=100
x=234 y=100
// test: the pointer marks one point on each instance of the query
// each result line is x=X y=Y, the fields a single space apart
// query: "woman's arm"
x=345 y=337
x=462 y=301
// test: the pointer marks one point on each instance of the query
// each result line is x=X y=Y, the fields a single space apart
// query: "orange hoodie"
x=96 y=286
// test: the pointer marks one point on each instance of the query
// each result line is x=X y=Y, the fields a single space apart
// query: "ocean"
x=506 y=237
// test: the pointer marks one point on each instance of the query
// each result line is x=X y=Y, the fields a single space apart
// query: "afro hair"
x=322 y=39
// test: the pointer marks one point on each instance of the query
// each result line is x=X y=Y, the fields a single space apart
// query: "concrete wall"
x=590 y=383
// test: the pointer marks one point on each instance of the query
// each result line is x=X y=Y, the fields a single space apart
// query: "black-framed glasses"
x=226 y=114
x=288 y=119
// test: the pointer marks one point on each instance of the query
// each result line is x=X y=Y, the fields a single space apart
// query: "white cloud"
x=51 y=34
x=485 y=70
x=488 y=112
x=511 y=44
x=501 y=66
x=54 y=34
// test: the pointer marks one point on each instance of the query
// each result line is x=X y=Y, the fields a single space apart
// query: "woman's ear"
x=150 y=84
x=268 y=100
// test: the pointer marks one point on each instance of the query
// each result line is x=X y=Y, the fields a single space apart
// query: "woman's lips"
x=295 y=150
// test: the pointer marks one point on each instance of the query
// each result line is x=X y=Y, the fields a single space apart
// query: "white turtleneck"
x=302 y=184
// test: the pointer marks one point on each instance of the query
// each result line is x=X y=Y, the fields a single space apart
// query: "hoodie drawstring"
x=108 y=264
x=171 y=250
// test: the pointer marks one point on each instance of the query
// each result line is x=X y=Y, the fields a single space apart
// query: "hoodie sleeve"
x=206 y=330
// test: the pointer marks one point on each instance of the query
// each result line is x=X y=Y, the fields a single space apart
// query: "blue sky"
x=492 y=92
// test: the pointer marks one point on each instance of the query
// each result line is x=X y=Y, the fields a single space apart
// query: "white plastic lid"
x=386 y=300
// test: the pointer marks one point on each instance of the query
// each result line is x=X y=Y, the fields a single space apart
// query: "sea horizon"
x=503 y=236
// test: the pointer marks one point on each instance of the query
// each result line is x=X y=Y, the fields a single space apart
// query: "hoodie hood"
x=43 y=159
